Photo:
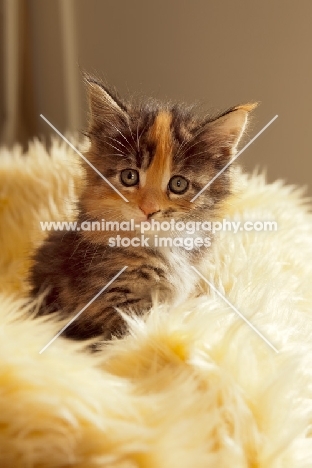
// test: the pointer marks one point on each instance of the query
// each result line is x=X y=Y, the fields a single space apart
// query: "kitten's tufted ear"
x=224 y=132
x=104 y=106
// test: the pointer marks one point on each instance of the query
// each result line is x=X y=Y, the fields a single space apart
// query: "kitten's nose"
x=149 y=208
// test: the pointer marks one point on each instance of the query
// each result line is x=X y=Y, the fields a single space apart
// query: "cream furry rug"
x=192 y=387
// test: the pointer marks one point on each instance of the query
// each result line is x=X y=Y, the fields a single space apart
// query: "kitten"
x=158 y=157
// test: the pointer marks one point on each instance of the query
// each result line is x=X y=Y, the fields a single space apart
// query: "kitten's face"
x=159 y=158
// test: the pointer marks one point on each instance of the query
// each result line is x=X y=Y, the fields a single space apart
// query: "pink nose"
x=149 y=207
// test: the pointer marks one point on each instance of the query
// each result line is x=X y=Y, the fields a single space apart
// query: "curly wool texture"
x=189 y=387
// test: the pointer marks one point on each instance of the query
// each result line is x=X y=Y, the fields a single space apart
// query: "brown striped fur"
x=159 y=141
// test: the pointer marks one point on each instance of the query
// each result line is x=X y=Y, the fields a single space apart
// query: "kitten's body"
x=168 y=155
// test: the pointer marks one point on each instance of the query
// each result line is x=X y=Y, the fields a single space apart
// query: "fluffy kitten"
x=159 y=157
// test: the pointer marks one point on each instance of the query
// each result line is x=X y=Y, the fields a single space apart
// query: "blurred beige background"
x=218 y=53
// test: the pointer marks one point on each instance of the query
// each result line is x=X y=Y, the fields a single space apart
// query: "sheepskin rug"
x=194 y=386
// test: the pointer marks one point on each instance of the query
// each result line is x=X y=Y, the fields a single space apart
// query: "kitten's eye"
x=129 y=177
x=177 y=184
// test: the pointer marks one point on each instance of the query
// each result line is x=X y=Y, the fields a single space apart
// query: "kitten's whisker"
x=93 y=256
x=124 y=135
x=117 y=149
x=76 y=247
x=118 y=142
x=131 y=135
x=137 y=135
x=190 y=141
x=196 y=154
x=184 y=142
x=199 y=131
x=188 y=148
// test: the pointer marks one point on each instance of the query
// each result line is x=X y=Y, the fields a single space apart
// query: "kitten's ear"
x=224 y=132
x=104 y=106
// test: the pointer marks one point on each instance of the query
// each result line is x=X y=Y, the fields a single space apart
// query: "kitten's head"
x=159 y=157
